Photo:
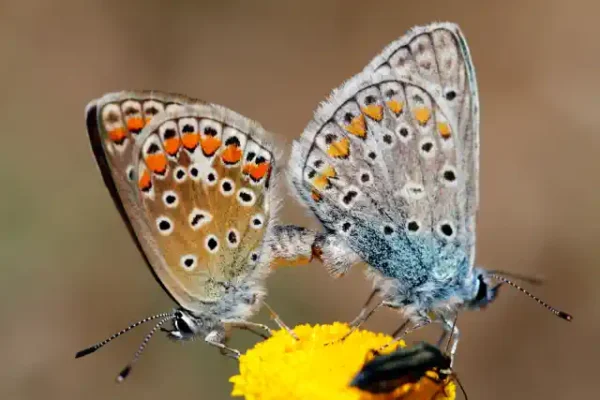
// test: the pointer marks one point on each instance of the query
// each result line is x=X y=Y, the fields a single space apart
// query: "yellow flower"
x=283 y=368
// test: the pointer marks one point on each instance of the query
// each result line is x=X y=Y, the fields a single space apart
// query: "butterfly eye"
x=182 y=326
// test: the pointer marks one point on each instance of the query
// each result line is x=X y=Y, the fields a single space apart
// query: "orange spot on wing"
x=157 y=163
x=339 y=149
x=422 y=115
x=171 y=145
x=117 y=135
x=395 y=106
x=357 y=126
x=210 y=145
x=190 y=140
x=232 y=154
x=145 y=183
x=315 y=195
x=257 y=172
x=135 y=124
x=329 y=172
x=444 y=130
x=374 y=111
x=321 y=182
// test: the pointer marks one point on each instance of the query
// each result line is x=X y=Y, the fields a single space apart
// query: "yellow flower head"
x=319 y=366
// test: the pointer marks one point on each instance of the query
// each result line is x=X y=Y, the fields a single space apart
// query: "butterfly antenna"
x=95 y=347
x=123 y=374
x=512 y=275
x=557 y=312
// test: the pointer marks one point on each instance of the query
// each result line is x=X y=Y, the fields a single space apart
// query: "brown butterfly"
x=194 y=184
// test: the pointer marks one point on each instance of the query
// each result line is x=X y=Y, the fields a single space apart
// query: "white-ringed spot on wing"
x=179 y=174
x=246 y=197
x=188 y=262
x=164 y=226
x=345 y=227
x=365 y=177
x=349 y=197
x=257 y=221
x=446 y=229
x=427 y=148
x=170 y=199
x=194 y=172
x=404 y=133
x=227 y=187
x=130 y=173
x=232 y=238
x=211 y=244
x=198 y=218
x=448 y=176
x=211 y=177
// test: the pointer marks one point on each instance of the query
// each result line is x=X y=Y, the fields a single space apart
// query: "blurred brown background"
x=71 y=275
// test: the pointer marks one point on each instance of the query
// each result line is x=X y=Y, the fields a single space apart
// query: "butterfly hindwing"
x=203 y=186
x=394 y=179
x=114 y=123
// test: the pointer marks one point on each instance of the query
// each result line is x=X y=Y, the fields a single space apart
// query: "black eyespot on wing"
x=349 y=196
x=388 y=230
x=210 y=131
x=212 y=243
x=447 y=229
x=450 y=95
x=449 y=176
x=413 y=226
x=233 y=140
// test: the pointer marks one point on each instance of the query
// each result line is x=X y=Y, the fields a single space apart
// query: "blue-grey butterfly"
x=194 y=184
x=390 y=164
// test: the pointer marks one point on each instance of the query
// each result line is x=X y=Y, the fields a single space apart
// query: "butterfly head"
x=485 y=290
x=185 y=326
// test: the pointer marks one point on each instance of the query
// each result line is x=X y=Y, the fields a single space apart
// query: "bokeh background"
x=71 y=274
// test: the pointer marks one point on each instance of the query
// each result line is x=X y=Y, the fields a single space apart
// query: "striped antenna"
x=95 y=347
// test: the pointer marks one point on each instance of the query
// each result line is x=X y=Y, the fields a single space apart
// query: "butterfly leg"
x=258 y=329
x=217 y=339
x=362 y=316
x=404 y=330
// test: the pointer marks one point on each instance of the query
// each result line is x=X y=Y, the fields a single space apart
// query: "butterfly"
x=422 y=363
x=194 y=184
x=390 y=166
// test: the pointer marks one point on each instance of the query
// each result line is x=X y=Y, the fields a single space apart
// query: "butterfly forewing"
x=202 y=184
x=389 y=161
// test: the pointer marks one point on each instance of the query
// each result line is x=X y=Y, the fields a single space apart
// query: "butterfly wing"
x=204 y=206
x=114 y=123
x=389 y=162
x=438 y=56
